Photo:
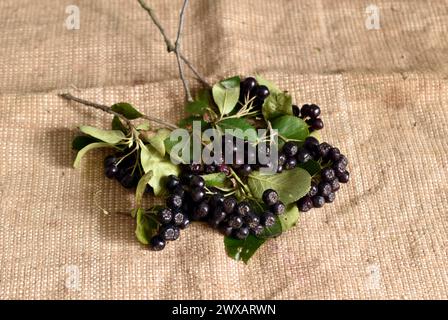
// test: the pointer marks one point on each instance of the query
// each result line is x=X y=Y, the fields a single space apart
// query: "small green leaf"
x=81 y=153
x=289 y=218
x=226 y=94
x=152 y=161
x=109 y=136
x=316 y=134
x=291 y=127
x=146 y=227
x=242 y=249
x=197 y=107
x=271 y=86
x=218 y=180
x=118 y=125
x=313 y=167
x=126 y=110
x=276 y=105
x=291 y=185
x=141 y=188
x=82 y=141
x=145 y=126
x=246 y=131
x=158 y=140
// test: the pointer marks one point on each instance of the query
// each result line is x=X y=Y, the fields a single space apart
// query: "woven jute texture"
x=384 y=96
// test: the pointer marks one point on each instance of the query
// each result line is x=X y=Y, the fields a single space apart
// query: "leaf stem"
x=237 y=178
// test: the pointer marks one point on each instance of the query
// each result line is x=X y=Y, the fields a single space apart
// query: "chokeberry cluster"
x=310 y=113
x=251 y=90
x=326 y=183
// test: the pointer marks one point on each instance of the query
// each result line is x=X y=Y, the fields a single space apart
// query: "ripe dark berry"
x=328 y=174
x=325 y=188
x=178 y=218
x=330 y=198
x=235 y=221
x=312 y=144
x=313 y=190
x=217 y=200
x=262 y=92
x=252 y=220
x=279 y=208
x=267 y=219
x=110 y=160
x=245 y=170
x=201 y=211
x=165 y=215
x=339 y=166
x=295 y=110
x=229 y=204
x=197 y=182
x=225 y=230
x=185 y=223
x=257 y=231
x=303 y=156
x=334 y=154
x=290 y=149
x=111 y=171
x=279 y=169
x=157 y=243
x=185 y=178
x=172 y=182
x=241 y=233
x=248 y=84
x=197 y=194
x=218 y=215
x=224 y=169
x=179 y=191
x=324 y=149
x=291 y=163
x=195 y=168
x=174 y=201
x=314 y=111
x=343 y=160
x=270 y=197
x=281 y=159
x=344 y=177
x=335 y=186
x=317 y=124
x=305 y=111
x=169 y=232
x=318 y=201
x=305 y=204
x=128 y=181
x=209 y=168
x=243 y=208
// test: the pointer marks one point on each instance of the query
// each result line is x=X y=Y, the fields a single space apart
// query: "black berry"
x=331 y=197
x=197 y=194
x=172 y=182
x=335 y=186
x=110 y=160
x=111 y=171
x=226 y=230
x=262 y=92
x=270 y=197
x=305 y=204
x=334 y=154
x=157 y=243
x=169 y=232
x=318 y=201
x=328 y=174
x=344 y=177
x=317 y=124
x=197 y=182
x=178 y=218
x=267 y=219
x=174 y=201
x=165 y=215
x=235 y=221
x=303 y=155
x=325 y=188
x=241 y=233
x=314 y=111
x=229 y=204
x=243 y=208
x=313 y=190
x=252 y=220
x=201 y=211
x=279 y=208
x=290 y=149
x=291 y=163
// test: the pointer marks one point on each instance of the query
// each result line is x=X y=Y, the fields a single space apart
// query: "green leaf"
x=291 y=127
x=146 y=227
x=242 y=249
x=118 y=125
x=218 y=180
x=197 y=107
x=226 y=94
x=158 y=140
x=126 y=110
x=313 y=167
x=246 y=130
x=161 y=167
x=145 y=126
x=109 y=136
x=81 y=153
x=291 y=185
x=276 y=105
x=271 y=86
x=187 y=123
x=82 y=141
x=289 y=218
x=141 y=188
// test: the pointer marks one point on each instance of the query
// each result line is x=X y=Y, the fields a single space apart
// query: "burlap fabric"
x=384 y=99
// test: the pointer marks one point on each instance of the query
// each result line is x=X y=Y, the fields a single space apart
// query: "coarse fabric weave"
x=384 y=97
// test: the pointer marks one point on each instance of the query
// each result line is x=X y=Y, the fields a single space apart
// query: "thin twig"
x=177 y=52
x=169 y=44
x=105 y=108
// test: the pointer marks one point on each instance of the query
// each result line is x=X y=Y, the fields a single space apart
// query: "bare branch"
x=105 y=108
x=169 y=44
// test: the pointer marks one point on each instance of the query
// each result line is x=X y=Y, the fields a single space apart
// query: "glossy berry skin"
x=224 y=169
x=248 y=84
x=128 y=181
x=318 y=201
x=312 y=144
x=178 y=218
x=317 y=124
x=262 y=92
x=197 y=182
x=174 y=201
x=291 y=163
x=197 y=194
x=179 y=191
x=280 y=169
x=157 y=243
x=303 y=156
x=241 y=233
x=335 y=186
x=270 y=197
x=330 y=198
x=235 y=221
x=339 y=166
x=324 y=149
x=314 y=111
x=185 y=223
x=165 y=215
x=281 y=159
x=229 y=204
x=172 y=182
x=328 y=174
x=290 y=149
x=169 y=232
x=195 y=168
x=111 y=171
x=267 y=219
x=305 y=111
x=217 y=200
x=279 y=208
x=257 y=231
x=344 y=177
x=110 y=160
x=325 y=189
x=313 y=190
x=201 y=211
x=252 y=220
x=245 y=170
x=226 y=230
x=295 y=111
x=218 y=215
x=243 y=208
x=334 y=154
x=185 y=178
x=305 y=204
